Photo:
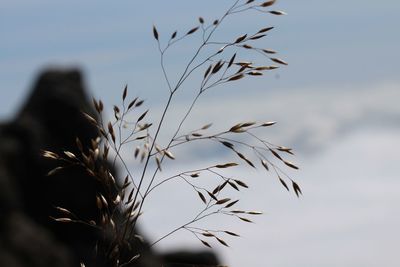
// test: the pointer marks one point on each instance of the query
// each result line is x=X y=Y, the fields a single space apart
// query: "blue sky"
x=335 y=43
x=336 y=104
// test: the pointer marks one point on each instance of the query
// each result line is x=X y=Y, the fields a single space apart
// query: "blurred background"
x=336 y=105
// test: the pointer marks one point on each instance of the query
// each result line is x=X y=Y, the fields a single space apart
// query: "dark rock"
x=51 y=120
x=25 y=243
x=185 y=258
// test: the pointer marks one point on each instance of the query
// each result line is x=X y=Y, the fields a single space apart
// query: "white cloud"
x=308 y=119
x=348 y=215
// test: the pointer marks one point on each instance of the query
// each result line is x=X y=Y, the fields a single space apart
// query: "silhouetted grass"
x=218 y=66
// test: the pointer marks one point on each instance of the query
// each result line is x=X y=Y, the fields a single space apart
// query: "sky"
x=335 y=103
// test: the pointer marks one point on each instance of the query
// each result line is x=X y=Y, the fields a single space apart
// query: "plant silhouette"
x=217 y=63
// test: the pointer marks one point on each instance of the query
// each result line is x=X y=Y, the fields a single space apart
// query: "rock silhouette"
x=51 y=120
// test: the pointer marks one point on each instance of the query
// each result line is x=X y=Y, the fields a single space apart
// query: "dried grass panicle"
x=220 y=66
